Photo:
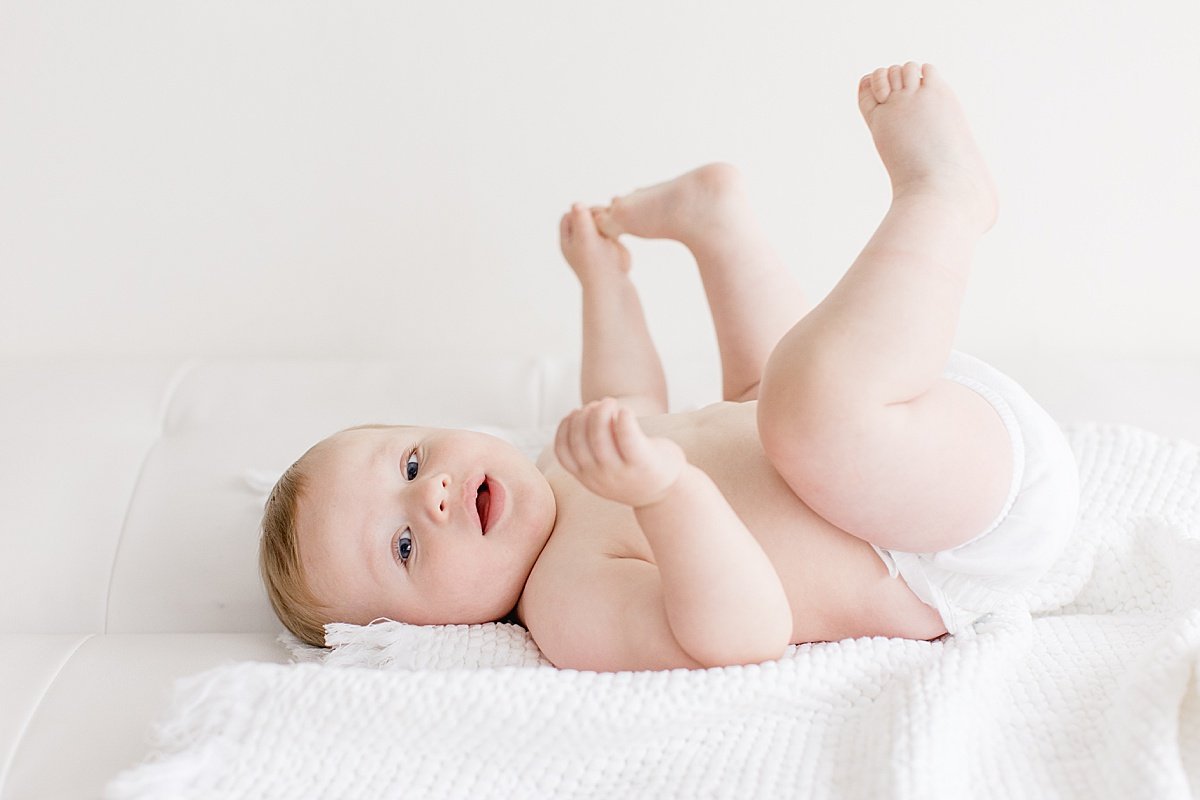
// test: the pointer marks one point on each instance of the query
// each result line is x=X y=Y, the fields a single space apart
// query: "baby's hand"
x=589 y=252
x=603 y=446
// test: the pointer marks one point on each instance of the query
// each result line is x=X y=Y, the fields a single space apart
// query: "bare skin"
x=837 y=430
x=649 y=540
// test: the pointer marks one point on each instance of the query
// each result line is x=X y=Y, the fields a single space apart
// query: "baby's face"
x=389 y=525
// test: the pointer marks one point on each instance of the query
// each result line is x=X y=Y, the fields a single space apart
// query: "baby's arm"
x=724 y=600
x=619 y=358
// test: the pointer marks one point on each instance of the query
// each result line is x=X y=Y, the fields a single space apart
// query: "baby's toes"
x=573 y=228
x=880 y=85
x=569 y=235
x=578 y=228
x=583 y=223
x=866 y=96
x=606 y=221
x=896 y=77
x=910 y=75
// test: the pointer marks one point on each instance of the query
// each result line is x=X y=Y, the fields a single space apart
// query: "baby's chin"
x=499 y=606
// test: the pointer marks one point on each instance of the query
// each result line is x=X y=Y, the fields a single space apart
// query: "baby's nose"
x=437 y=499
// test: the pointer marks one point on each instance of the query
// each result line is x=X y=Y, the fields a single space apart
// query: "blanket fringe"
x=204 y=725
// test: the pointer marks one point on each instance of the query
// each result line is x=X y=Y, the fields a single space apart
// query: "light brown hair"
x=279 y=564
x=279 y=561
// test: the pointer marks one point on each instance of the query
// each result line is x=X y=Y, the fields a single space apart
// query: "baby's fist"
x=603 y=446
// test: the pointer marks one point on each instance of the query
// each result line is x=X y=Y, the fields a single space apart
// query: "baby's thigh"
x=919 y=476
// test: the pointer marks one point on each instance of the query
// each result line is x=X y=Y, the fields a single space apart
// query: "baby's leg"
x=853 y=411
x=752 y=296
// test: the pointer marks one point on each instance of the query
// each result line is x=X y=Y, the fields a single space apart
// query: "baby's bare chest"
x=834 y=581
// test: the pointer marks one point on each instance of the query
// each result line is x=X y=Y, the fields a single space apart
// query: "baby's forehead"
x=332 y=464
x=348 y=441
x=369 y=428
x=376 y=427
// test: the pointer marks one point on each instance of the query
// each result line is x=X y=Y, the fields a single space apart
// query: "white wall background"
x=377 y=178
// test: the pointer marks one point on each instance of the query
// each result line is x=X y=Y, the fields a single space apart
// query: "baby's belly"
x=837 y=585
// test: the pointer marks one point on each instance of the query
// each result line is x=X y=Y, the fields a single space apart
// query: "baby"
x=860 y=477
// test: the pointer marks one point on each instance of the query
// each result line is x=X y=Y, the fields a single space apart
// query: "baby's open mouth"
x=483 y=504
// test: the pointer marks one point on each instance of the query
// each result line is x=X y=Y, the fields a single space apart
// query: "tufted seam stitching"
x=168 y=395
x=6 y=767
x=185 y=369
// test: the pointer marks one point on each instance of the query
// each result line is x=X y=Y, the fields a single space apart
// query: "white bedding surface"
x=1086 y=686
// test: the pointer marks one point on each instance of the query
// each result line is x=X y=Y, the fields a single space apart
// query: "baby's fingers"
x=577 y=440
x=631 y=441
x=600 y=436
x=562 y=445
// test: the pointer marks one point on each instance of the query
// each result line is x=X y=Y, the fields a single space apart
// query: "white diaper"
x=1031 y=530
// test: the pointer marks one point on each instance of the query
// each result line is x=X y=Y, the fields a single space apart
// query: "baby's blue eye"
x=404 y=541
x=410 y=468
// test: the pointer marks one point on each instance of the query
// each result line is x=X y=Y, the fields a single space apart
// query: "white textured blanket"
x=1086 y=687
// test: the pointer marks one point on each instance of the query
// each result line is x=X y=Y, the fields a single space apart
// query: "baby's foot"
x=589 y=252
x=924 y=140
x=682 y=208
